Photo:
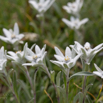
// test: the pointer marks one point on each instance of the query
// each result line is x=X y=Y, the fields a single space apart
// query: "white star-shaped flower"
x=74 y=23
x=41 y=6
x=12 y=36
x=87 y=52
x=99 y=72
x=19 y=56
x=69 y=59
x=37 y=57
x=74 y=7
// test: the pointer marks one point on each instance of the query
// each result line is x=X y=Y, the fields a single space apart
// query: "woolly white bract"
x=3 y=58
x=12 y=36
x=99 y=72
x=68 y=60
x=87 y=52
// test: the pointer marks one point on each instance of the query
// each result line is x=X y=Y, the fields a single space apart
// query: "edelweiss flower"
x=3 y=58
x=74 y=7
x=99 y=72
x=19 y=56
x=69 y=60
x=87 y=52
x=12 y=37
x=37 y=57
x=41 y=6
x=74 y=23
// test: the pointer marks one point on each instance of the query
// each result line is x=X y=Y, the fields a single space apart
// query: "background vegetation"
x=52 y=32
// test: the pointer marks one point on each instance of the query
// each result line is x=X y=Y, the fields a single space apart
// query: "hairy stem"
x=84 y=83
x=57 y=96
x=30 y=81
x=67 y=84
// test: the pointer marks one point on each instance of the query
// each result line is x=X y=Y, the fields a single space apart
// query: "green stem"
x=84 y=83
x=67 y=84
x=30 y=81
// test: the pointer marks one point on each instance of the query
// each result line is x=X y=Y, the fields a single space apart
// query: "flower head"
x=74 y=7
x=12 y=36
x=69 y=60
x=37 y=57
x=19 y=56
x=99 y=72
x=3 y=58
x=87 y=52
x=74 y=23
x=41 y=6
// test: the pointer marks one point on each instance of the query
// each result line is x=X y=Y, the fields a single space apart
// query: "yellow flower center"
x=12 y=36
x=34 y=57
x=66 y=58
x=18 y=51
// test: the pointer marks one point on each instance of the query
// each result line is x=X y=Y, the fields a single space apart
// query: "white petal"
x=68 y=23
x=98 y=47
x=4 y=39
x=29 y=52
x=78 y=44
x=65 y=8
x=25 y=47
x=12 y=58
x=43 y=50
x=37 y=49
x=97 y=73
x=20 y=36
x=34 y=3
x=32 y=46
x=98 y=50
x=76 y=58
x=57 y=63
x=16 y=29
x=48 y=5
x=14 y=41
x=42 y=1
x=7 y=33
x=2 y=53
x=58 y=52
x=11 y=53
x=59 y=58
x=83 y=21
x=68 y=52
x=98 y=69
x=29 y=58
x=43 y=56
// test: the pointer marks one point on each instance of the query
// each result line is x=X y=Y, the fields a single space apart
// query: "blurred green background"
x=53 y=32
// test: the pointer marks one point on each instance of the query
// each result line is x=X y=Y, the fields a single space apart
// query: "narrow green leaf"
x=23 y=85
x=78 y=97
x=83 y=73
x=58 y=79
x=58 y=82
x=52 y=75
